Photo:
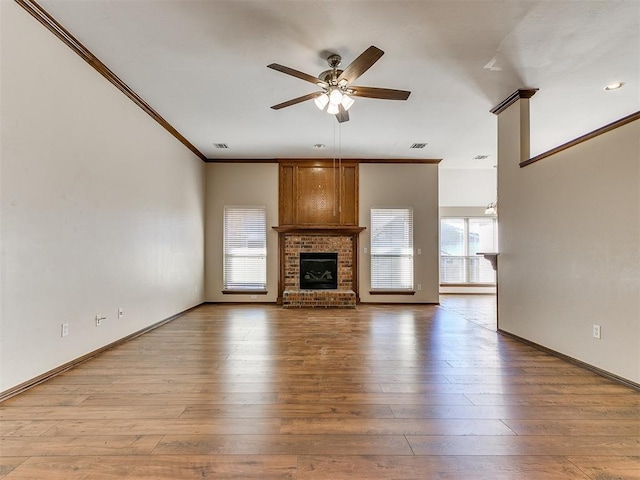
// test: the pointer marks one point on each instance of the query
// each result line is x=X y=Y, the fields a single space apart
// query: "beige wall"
x=569 y=229
x=101 y=208
x=257 y=184
x=463 y=211
x=240 y=184
x=383 y=185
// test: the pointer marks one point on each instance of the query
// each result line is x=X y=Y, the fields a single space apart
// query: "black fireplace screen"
x=318 y=271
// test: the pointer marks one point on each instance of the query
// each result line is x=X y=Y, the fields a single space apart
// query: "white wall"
x=384 y=185
x=570 y=246
x=467 y=188
x=240 y=184
x=101 y=208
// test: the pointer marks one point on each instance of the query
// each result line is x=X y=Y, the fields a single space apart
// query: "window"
x=245 y=248
x=392 y=248
x=460 y=241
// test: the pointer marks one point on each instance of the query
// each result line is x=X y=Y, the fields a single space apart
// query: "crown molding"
x=40 y=14
x=397 y=161
x=420 y=161
x=241 y=160
x=511 y=99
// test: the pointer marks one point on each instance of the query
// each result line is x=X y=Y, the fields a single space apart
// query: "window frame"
x=466 y=255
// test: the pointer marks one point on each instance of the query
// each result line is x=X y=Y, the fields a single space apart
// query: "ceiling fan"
x=336 y=85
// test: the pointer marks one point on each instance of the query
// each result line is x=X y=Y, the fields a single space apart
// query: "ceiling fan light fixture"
x=614 y=86
x=332 y=109
x=491 y=209
x=321 y=101
x=347 y=101
x=335 y=97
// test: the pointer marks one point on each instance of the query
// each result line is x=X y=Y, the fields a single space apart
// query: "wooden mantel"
x=319 y=229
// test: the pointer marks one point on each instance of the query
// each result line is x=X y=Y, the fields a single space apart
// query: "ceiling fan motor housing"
x=334 y=60
x=331 y=76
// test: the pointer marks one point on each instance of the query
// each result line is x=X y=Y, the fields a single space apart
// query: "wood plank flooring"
x=379 y=392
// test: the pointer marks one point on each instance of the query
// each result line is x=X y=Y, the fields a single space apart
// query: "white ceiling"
x=202 y=66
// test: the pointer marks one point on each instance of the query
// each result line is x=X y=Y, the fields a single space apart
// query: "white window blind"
x=245 y=248
x=392 y=248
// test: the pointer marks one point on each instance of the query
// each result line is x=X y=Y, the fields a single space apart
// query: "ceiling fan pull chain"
x=340 y=167
x=334 y=170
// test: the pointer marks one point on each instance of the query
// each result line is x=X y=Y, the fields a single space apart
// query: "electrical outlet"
x=64 y=329
x=99 y=319
x=254 y=297
x=120 y=313
x=596 y=331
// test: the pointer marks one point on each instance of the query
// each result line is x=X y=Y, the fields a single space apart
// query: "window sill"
x=392 y=292
x=244 y=292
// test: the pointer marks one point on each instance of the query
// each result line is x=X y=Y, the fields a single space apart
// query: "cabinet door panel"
x=318 y=192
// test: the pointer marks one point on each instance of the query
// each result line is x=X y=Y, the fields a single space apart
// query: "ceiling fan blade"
x=342 y=115
x=293 y=101
x=382 y=93
x=301 y=75
x=361 y=64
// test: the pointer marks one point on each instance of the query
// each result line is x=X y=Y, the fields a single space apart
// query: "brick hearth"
x=319 y=298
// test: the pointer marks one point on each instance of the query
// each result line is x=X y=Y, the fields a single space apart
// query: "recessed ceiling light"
x=418 y=145
x=614 y=86
x=221 y=145
x=319 y=146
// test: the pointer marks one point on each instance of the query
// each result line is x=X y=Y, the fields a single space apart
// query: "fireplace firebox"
x=318 y=271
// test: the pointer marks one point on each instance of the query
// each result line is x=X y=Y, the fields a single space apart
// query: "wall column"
x=513 y=148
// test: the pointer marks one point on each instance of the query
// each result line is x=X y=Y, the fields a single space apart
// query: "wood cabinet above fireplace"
x=318 y=192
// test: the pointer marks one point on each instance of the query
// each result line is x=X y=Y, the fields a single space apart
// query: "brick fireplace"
x=296 y=240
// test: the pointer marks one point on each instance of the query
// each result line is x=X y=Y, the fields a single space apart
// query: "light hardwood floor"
x=379 y=392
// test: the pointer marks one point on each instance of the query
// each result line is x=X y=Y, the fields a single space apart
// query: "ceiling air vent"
x=418 y=145
x=480 y=157
x=221 y=145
